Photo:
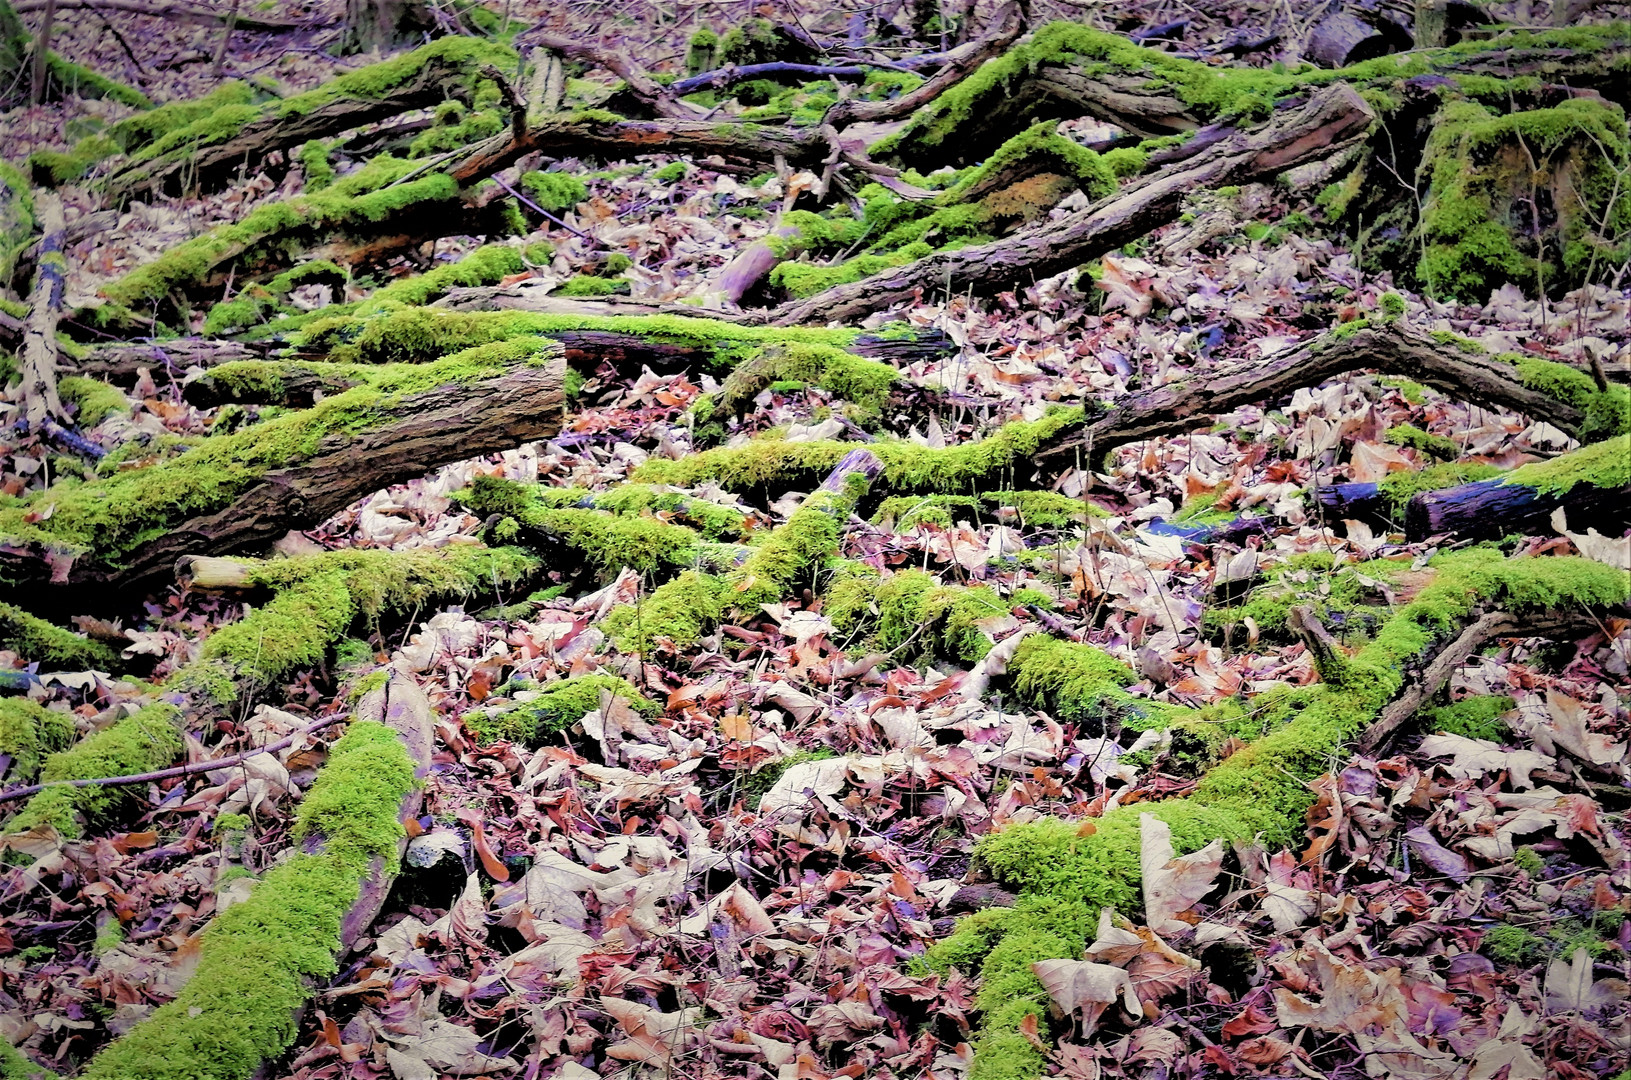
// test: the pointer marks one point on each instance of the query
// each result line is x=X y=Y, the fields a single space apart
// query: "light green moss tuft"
x=556 y=707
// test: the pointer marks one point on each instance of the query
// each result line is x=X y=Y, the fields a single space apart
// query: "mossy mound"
x=552 y=709
x=1534 y=198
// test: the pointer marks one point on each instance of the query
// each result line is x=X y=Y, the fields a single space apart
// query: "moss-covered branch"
x=260 y=960
x=208 y=149
x=1065 y=876
x=232 y=491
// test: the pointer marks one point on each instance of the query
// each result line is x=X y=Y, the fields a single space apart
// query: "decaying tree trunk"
x=207 y=167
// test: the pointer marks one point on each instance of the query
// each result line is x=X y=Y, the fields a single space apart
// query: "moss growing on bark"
x=260 y=957
x=1606 y=465
x=146 y=740
x=416 y=334
x=907 y=466
x=1261 y=789
x=864 y=382
x=364 y=199
x=316 y=599
x=1535 y=198
x=28 y=732
x=49 y=645
x=111 y=517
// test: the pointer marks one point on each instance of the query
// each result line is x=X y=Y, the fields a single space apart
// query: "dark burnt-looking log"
x=1331 y=120
x=1490 y=509
x=1391 y=348
x=1358 y=502
x=408 y=436
x=211 y=166
x=177 y=13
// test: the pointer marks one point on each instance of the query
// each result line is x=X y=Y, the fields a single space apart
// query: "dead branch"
x=183 y=13
x=1330 y=121
x=659 y=99
x=1392 y=348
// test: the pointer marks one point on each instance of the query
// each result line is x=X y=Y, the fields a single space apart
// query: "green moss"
x=142 y=742
x=80 y=81
x=668 y=174
x=1482 y=167
x=1414 y=437
x=556 y=192
x=1513 y=944
x=28 y=732
x=681 y=611
x=1607 y=412
x=1262 y=789
x=441 y=137
x=490 y=495
x=865 y=382
x=360 y=201
x=259 y=958
x=1528 y=860
x=111 y=517
x=1477 y=717
x=701 y=52
x=49 y=645
x=15 y=1065
x=486 y=265
x=415 y=334
x=1605 y=465
x=1400 y=487
x=315 y=164
x=587 y=285
x=907 y=466
x=556 y=707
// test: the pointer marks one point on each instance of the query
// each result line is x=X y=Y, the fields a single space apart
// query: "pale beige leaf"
x=1172 y=886
x=1086 y=988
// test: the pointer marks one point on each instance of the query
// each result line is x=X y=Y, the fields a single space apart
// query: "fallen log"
x=233 y=492
x=182 y=13
x=607 y=135
x=207 y=152
x=1592 y=486
x=1330 y=121
x=1379 y=344
x=260 y=960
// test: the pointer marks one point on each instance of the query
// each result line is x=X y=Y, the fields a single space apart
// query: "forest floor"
x=740 y=878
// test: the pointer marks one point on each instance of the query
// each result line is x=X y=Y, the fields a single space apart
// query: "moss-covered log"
x=1563 y=396
x=1592 y=486
x=1066 y=70
x=1065 y=874
x=208 y=151
x=232 y=492
x=260 y=960
x=62 y=77
x=1327 y=122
